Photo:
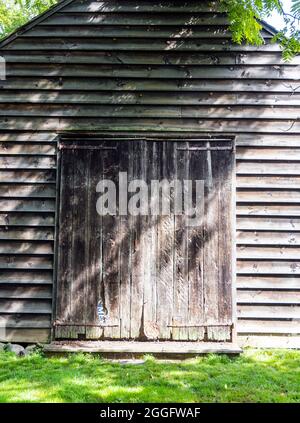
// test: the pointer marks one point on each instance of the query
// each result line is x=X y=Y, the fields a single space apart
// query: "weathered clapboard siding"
x=162 y=67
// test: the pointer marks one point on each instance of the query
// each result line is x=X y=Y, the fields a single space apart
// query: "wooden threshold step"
x=127 y=349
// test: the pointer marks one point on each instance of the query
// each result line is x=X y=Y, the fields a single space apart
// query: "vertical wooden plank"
x=110 y=254
x=125 y=231
x=165 y=250
x=211 y=247
x=64 y=274
x=181 y=276
x=79 y=244
x=138 y=258
x=94 y=247
x=151 y=330
x=197 y=167
x=225 y=166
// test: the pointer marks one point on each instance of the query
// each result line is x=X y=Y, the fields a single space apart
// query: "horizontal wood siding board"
x=25 y=306
x=132 y=32
x=267 y=72
x=267 y=341
x=178 y=57
x=26 y=292
x=267 y=168
x=187 y=125
x=280 y=210
x=27 y=218
x=30 y=248
x=268 y=282
x=26 y=234
x=151 y=111
x=277 y=224
x=268 y=327
x=168 y=46
x=256 y=88
x=263 y=252
x=156 y=6
x=15 y=321
x=267 y=267
x=25 y=335
x=267 y=297
x=50 y=96
x=185 y=19
x=263 y=311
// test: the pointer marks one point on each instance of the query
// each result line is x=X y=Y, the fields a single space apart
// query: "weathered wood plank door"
x=145 y=276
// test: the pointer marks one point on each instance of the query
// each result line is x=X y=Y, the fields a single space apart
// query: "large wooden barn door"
x=144 y=276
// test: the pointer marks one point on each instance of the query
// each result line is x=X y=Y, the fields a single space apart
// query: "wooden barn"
x=156 y=89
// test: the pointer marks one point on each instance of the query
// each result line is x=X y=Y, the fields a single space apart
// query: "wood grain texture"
x=159 y=67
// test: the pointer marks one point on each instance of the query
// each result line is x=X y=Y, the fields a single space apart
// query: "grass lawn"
x=256 y=376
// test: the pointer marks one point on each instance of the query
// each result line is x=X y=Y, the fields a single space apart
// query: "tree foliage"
x=15 y=13
x=244 y=17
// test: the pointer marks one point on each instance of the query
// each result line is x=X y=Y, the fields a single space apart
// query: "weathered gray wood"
x=126 y=250
x=90 y=111
x=136 y=19
x=29 y=176
x=268 y=224
x=263 y=196
x=138 y=58
x=27 y=205
x=268 y=267
x=93 y=242
x=37 y=219
x=226 y=244
x=13 y=321
x=197 y=271
x=269 y=312
x=49 y=96
x=265 y=168
x=262 y=326
x=31 y=248
x=27 y=162
x=28 y=149
x=151 y=158
x=122 y=124
x=282 y=253
x=281 y=182
x=114 y=54
x=165 y=239
x=155 y=71
x=24 y=277
x=26 y=234
x=138 y=7
x=64 y=259
x=20 y=292
x=31 y=262
x=26 y=335
x=268 y=238
x=213 y=86
x=268 y=282
x=267 y=341
x=268 y=297
x=273 y=154
x=27 y=191
x=29 y=137
x=139 y=349
x=181 y=262
x=27 y=306
x=110 y=261
x=140 y=44
x=132 y=31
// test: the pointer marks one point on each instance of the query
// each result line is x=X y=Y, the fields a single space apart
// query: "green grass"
x=256 y=376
